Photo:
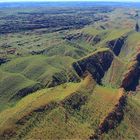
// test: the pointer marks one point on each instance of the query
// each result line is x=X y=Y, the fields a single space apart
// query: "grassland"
x=38 y=67
x=129 y=127
x=42 y=96
x=10 y=84
x=62 y=120
x=29 y=72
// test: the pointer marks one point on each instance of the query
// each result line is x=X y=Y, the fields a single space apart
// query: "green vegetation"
x=129 y=127
x=131 y=48
x=61 y=70
x=38 y=67
x=114 y=75
x=28 y=72
x=49 y=125
x=10 y=84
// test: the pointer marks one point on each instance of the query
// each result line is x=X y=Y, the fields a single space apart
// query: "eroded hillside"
x=79 y=83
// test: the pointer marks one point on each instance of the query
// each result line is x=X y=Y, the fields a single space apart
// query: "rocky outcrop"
x=113 y=118
x=96 y=64
x=71 y=37
x=3 y=60
x=116 y=45
x=26 y=91
x=131 y=78
x=62 y=77
x=75 y=101
x=38 y=52
x=35 y=115
x=84 y=37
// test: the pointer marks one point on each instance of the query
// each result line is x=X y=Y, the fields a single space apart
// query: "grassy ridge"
x=39 y=42
x=131 y=47
x=40 y=68
x=114 y=75
x=60 y=123
x=129 y=127
x=71 y=110
x=33 y=102
x=26 y=72
x=10 y=84
x=79 y=124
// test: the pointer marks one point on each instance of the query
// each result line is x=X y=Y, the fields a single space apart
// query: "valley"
x=69 y=71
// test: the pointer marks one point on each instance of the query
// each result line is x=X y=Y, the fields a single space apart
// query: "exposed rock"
x=75 y=101
x=131 y=78
x=41 y=109
x=37 y=52
x=10 y=133
x=71 y=37
x=84 y=37
x=113 y=118
x=116 y=45
x=96 y=39
x=25 y=91
x=62 y=77
x=7 y=134
x=3 y=60
x=96 y=64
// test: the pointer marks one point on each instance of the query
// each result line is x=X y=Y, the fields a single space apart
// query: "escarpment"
x=26 y=91
x=84 y=37
x=114 y=74
x=113 y=119
x=116 y=45
x=96 y=64
x=21 y=124
x=3 y=60
x=62 y=77
x=131 y=78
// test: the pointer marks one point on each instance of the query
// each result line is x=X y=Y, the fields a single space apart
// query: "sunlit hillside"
x=69 y=71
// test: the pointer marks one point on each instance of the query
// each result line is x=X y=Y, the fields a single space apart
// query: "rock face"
x=10 y=133
x=62 y=77
x=3 y=60
x=116 y=45
x=75 y=101
x=113 y=118
x=131 y=78
x=96 y=64
x=26 y=91
x=84 y=37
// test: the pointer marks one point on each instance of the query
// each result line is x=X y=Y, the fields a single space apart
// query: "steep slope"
x=129 y=127
x=11 y=84
x=30 y=104
x=131 y=78
x=91 y=39
x=74 y=111
x=89 y=105
x=25 y=75
x=113 y=77
x=59 y=83
x=131 y=47
x=96 y=64
x=49 y=71
x=124 y=61
x=114 y=117
x=62 y=112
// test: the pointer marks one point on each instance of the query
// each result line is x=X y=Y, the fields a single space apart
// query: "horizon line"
x=18 y=1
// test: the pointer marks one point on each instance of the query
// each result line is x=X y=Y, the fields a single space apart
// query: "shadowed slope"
x=96 y=64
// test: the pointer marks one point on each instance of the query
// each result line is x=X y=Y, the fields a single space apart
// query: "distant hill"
x=68 y=4
x=69 y=72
